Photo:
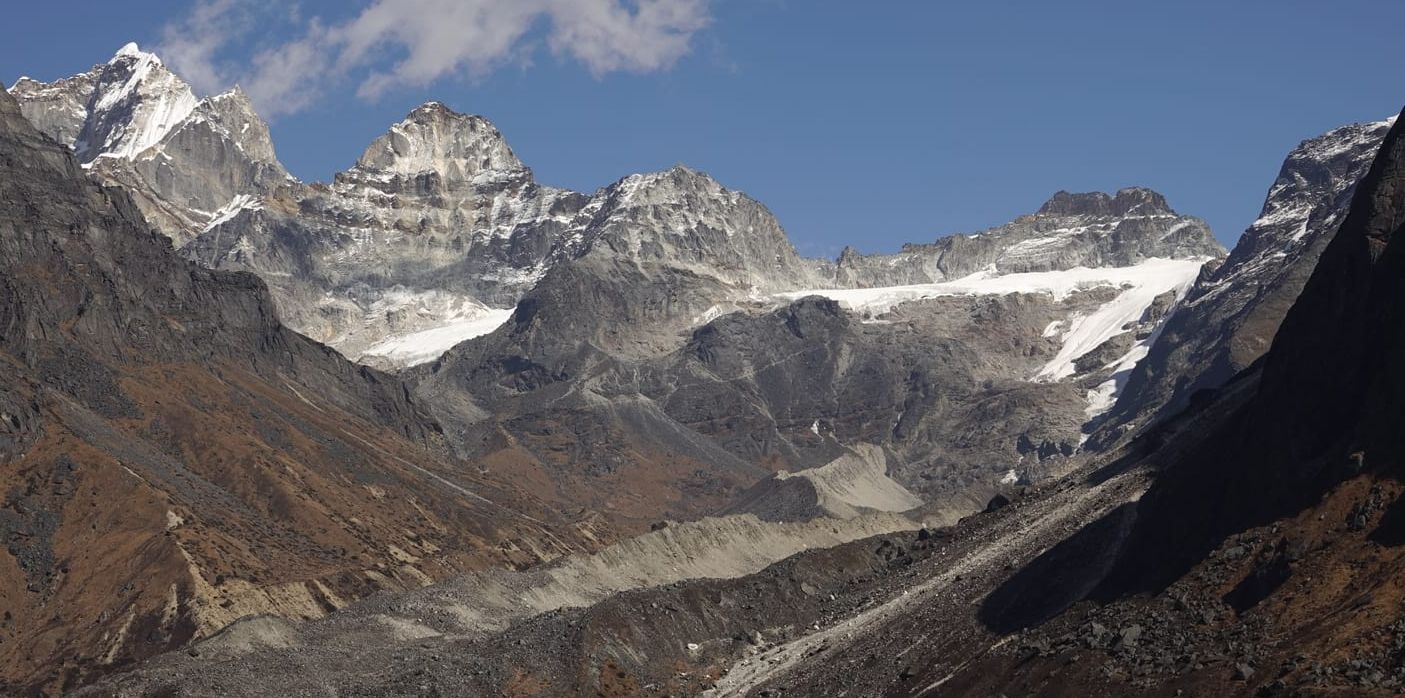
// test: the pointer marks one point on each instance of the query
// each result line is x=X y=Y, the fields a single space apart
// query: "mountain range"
x=560 y=411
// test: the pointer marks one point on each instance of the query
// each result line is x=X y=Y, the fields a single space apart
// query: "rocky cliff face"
x=1231 y=315
x=1283 y=513
x=173 y=458
x=1329 y=396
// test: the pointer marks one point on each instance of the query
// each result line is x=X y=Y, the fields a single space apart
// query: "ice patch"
x=712 y=313
x=428 y=345
x=1104 y=396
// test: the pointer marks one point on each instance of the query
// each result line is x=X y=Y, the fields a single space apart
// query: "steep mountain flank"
x=1279 y=532
x=1327 y=408
x=1230 y=316
x=172 y=458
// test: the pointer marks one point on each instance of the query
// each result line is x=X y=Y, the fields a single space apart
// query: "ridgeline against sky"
x=929 y=119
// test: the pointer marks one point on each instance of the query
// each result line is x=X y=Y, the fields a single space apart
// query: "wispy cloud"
x=412 y=43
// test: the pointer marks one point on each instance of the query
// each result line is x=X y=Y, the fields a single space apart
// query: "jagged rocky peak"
x=135 y=102
x=675 y=185
x=116 y=109
x=1310 y=194
x=1132 y=201
x=235 y=114
x=685 y=218
x=435 y=138
x=121 y=108
x=137 y=125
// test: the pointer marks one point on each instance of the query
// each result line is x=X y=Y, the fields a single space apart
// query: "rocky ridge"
x=1070 y=230
x=439 y=228
x=1230 y=316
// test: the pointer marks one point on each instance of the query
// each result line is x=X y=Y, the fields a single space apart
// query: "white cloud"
x=412 y=43
x=190 y=45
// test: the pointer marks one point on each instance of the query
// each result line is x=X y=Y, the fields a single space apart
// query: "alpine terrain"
x=437 y=428
x=708 y=353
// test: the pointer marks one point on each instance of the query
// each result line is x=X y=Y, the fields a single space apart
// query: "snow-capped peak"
x=136 y=102
x=132 y=50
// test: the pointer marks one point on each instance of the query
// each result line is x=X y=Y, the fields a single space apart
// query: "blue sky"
x=864 y=123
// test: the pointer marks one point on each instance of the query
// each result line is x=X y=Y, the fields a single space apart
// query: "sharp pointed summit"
x=132 y=50
x=135 y=123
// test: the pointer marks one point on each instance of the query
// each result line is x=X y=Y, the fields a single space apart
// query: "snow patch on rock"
x=427 y=345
